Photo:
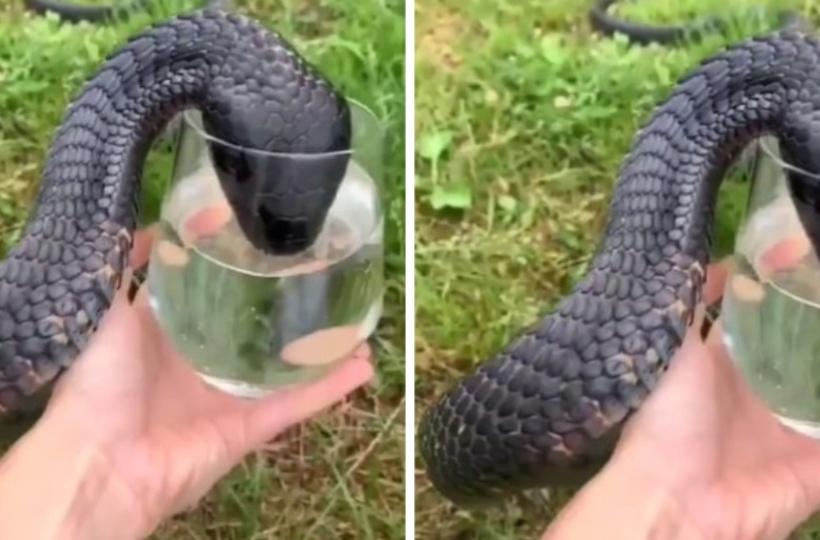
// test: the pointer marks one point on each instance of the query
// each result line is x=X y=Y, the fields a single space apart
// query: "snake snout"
x=281 y=201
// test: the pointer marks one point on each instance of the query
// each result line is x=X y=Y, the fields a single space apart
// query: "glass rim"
x=191 y=121
x=765 y=144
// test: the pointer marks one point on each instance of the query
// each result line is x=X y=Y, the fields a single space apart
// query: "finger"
x=117 y=328
x=716 y=344
x=716 y=276
x=125 y=285
x=141 y=249
x=721 y=356
x=783 y=255
x=206 y=222
x=272 y=415
x=142 y=298
x=715 y=340
x=680 y=389
x=141 y=304
x=698 y=320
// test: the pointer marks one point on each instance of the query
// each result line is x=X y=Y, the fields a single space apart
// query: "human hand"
x=703 y=458
x=138 y=435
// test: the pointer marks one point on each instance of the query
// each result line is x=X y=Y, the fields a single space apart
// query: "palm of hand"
x=166 y=435
x=707 y=440
x=159 y=425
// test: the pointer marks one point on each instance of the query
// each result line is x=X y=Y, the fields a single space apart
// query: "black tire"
x=645 y=34
x=75 y=13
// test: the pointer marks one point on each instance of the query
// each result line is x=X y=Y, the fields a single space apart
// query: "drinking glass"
x=251 y=322
x=771 y=304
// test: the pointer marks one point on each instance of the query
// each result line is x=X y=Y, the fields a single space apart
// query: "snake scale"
x=549 y=407
x=254 y=91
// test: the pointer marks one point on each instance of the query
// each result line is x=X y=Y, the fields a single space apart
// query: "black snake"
x=644 y=34
x=254 y=91
x=549 y=407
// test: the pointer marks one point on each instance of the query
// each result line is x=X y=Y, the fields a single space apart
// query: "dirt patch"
x=437 y=36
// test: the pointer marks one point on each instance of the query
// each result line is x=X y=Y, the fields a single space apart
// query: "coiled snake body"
x=551 y=404
x=254 y=91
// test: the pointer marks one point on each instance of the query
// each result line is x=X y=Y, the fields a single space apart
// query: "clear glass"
x=771 y=305
x=250 y=322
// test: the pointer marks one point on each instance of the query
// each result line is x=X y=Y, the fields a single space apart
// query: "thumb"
x=263 y=420
x=141 y=247
x=800 y=456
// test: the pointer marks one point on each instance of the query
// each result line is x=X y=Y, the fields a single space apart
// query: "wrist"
x=57 y=485
x=623 y=503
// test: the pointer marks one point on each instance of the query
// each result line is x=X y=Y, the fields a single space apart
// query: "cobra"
x=254 y=91
x=549 y=407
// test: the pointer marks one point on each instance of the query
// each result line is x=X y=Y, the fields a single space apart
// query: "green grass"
x=340 y=476
x=522 y=119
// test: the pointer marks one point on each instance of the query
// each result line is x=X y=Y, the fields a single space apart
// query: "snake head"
x=284 y=166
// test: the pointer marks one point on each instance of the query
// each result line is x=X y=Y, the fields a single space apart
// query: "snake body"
x=644 y=34
x=254 y=91
x=551 y=404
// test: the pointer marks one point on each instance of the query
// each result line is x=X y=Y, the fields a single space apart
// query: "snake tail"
x=254 y=91
x=550 y=405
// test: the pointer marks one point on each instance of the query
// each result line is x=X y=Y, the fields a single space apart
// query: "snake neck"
x=551 y=404
x=663 y=203
x=254 y=91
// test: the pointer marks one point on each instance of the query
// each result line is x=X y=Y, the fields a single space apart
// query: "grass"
x=340 y=476
x=523 y=116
